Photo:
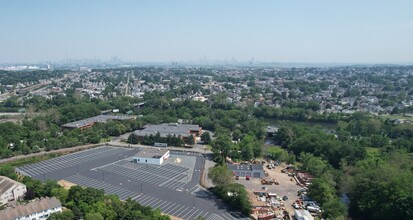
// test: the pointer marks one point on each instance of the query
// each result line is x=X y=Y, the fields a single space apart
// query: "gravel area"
x=286 y=187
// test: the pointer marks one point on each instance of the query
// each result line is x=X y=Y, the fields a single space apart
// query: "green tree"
x=314 y=165
x=236 y=196
x=321 y=190
x=206 y=137
x=220 y=175
x=334 y=209
x=65 y=215
x=93 y=216
x=191 y=140
x=60 y=193
x=133 y=138
x=222 y=145
x=277 y=153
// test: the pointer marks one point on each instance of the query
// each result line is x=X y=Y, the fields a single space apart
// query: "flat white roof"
x=151 y=153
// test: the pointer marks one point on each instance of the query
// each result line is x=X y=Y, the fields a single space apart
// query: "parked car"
x=285 y=198
x=313 y=209
x=237 y=177
x=247 y=177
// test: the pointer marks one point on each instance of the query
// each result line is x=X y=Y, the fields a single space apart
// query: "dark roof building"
x=242 y=170
x=182 y=130
x=89 y=122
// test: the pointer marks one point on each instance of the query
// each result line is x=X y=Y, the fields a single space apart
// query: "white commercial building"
x=10 y=190
x=38 y=209
x=155 y=156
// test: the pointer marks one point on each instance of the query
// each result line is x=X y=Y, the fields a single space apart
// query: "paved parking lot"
x=172 y=187
x=69 y=160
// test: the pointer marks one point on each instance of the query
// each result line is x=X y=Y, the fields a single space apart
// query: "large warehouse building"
x=172 y=129
x=153 y=156
x=89 y=122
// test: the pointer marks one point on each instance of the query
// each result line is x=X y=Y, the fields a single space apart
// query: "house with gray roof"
x=37 y=209
x=10 y=190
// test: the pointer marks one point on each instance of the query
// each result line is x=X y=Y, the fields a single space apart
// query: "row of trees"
x=298 y=112
x=41 y=134
x=171 y=140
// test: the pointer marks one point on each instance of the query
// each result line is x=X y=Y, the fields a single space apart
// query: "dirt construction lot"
x=286 y=187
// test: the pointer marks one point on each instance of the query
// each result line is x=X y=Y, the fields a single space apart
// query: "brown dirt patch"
x=66 y=184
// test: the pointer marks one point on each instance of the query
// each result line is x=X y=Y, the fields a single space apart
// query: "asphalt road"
x=179 y=195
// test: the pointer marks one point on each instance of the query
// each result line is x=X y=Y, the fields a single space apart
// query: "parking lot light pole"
x=193 y=202
x=77 y=168
x=141 y=188
x=103 y=177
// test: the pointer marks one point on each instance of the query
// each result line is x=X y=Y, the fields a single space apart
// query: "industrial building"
x=171 y=129
x=89 y=122
x=38 y=209
x=10 y=190
x=253 y=170
x=154 y=156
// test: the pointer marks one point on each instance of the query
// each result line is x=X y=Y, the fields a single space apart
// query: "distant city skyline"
x=319 y=31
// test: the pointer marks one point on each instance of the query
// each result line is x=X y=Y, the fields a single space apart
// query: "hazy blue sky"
x=359 y=31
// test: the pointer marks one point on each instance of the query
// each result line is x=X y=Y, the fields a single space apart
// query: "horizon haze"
x=320 y=31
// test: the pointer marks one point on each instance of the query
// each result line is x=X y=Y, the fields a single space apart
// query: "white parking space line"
x=172 y=208
x=206 y=213
x=176 y=211
x=162 y=207
x=193 y=211
x=153 y=202
x=196 y=214
x=161 y=204
x=182 y=211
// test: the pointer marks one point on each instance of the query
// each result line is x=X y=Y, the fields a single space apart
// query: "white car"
x=296 y=206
